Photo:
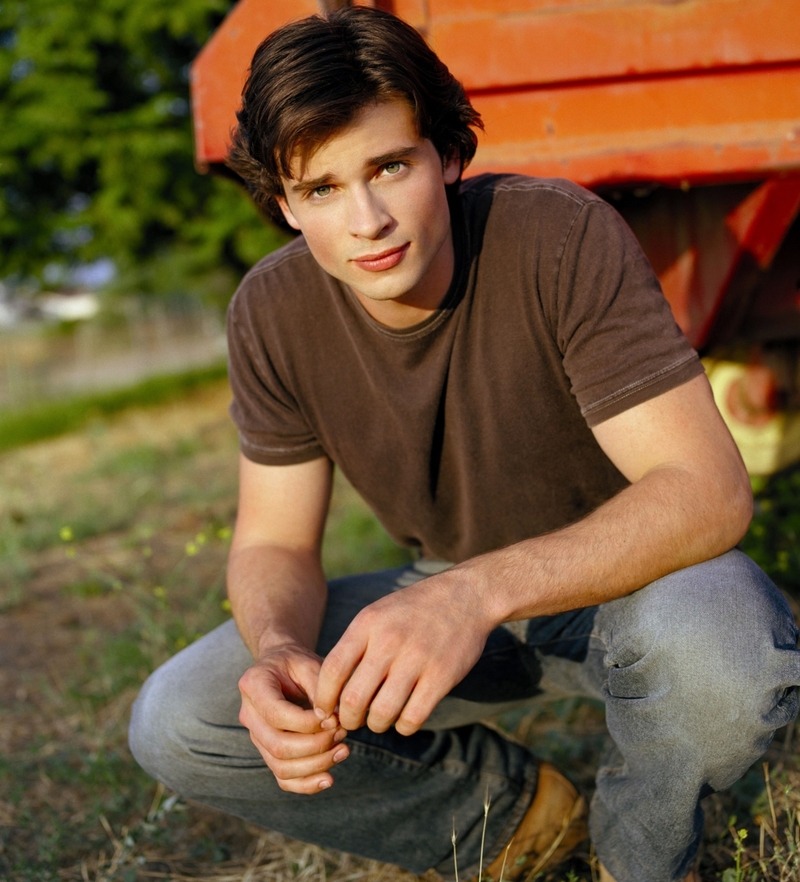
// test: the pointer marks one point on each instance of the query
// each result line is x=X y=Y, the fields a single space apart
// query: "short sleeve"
x=618 y=339
x=272 y=428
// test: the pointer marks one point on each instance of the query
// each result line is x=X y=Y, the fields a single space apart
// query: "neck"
x=394 y=314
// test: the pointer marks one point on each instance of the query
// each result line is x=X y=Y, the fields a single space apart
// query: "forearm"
x=668 y=520
x=277 y=596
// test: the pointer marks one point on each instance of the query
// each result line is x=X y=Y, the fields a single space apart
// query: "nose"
x=367 y=215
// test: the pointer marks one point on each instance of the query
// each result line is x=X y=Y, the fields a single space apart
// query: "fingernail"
x=328 y=723
x=341 y=755
x=321 y=715
x=324 y=785
x=340 y=735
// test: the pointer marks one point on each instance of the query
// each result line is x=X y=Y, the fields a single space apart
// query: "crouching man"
x=493 y=366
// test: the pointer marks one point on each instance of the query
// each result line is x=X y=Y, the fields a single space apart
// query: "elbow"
x=738 y=508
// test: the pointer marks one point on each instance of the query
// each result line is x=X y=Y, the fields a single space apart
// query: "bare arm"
x=277 y=592
x=275 y=582
x=689 y=500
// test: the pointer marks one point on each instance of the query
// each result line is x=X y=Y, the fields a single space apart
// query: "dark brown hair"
x=311 y=77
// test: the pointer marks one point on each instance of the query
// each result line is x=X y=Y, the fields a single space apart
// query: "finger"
x=308 y=767
x=390 y=700
x=426 y=694
x=359 y=692
x=331 y=722
x=335 y=671
x=290 y=746
x=262 y=694
x=304 y=673
x=307 y=786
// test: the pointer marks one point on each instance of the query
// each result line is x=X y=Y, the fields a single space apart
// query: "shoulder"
x=292 y=260
x=518 y=191
x=535 y=213
x=277 y=282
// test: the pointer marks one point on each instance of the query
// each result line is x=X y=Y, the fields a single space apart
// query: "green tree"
x=96 y=154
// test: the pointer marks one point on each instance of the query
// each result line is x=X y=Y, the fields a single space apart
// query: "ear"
x=451 y=167
x=287 y=212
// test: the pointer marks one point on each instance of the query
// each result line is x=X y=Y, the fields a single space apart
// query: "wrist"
x=475 y=582
x=501 y=583
x=269 y=643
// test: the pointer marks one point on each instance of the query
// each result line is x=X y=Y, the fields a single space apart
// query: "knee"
x=157 y=734
x=717 y=640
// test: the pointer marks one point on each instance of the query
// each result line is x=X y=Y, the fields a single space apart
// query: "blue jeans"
x=697 y=670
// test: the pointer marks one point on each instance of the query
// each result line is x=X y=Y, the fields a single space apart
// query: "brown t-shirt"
x=470 y=430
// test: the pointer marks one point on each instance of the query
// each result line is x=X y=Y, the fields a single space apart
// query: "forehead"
x=376 y=130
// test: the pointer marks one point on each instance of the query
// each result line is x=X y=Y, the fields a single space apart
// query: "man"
x=497 y=373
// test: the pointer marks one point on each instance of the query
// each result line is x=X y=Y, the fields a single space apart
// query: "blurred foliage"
x=773 y=540
x=96 y=151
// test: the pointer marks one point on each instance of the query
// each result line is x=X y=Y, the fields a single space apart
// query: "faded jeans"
x=697 y=670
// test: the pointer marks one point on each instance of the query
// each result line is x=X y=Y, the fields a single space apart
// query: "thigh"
x=521 y=661
x=200 y=683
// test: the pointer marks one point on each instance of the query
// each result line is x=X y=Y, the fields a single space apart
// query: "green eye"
x=393 y=168
x=322 y=191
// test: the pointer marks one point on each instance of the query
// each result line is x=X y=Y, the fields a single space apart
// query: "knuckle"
x=245 y=680
x=284 y=785
x=413 y=718
x=351 y=700
x=382 y=712
x=363 y=617
x=279 y=768
x=334 y=662
x=378 y=724
x=277 y=751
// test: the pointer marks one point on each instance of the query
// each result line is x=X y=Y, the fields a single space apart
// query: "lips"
x=383 y=260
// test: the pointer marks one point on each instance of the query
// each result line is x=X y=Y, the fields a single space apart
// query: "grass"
x=113 y=541
x=53 y=418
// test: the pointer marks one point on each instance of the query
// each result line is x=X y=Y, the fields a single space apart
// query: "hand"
x=296 y=745
x=402 y=654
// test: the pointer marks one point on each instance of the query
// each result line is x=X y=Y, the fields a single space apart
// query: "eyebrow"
x=383 y=159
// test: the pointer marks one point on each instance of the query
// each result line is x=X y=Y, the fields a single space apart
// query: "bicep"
x=283 y=505
x=681 y=428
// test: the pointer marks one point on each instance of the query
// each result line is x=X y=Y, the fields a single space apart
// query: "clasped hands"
x=397 y=659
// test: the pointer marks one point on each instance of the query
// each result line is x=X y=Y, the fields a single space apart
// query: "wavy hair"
x=310 y=78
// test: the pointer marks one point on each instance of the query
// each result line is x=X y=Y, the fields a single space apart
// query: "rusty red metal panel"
x=490 y=45
x=713 y=125
x=711 y=247
x=219 y=71
x=620 y=92
x=720 y=125
x=761 y=221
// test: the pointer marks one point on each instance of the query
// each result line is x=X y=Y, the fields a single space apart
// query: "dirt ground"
x=39 y=632
x=112 y=550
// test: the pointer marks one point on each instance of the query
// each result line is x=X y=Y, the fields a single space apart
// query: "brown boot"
x=553 y=826
x=605 y=876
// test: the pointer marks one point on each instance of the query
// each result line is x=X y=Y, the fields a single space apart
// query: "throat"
x=393 y=313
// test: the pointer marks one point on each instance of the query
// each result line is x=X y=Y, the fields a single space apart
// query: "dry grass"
x=112 y=558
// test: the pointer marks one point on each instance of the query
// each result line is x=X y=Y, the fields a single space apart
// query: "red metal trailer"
x=685 y=114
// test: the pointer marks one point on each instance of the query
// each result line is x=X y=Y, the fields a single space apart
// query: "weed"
x=112 y=554
x=736 y=874
x=117 y=540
